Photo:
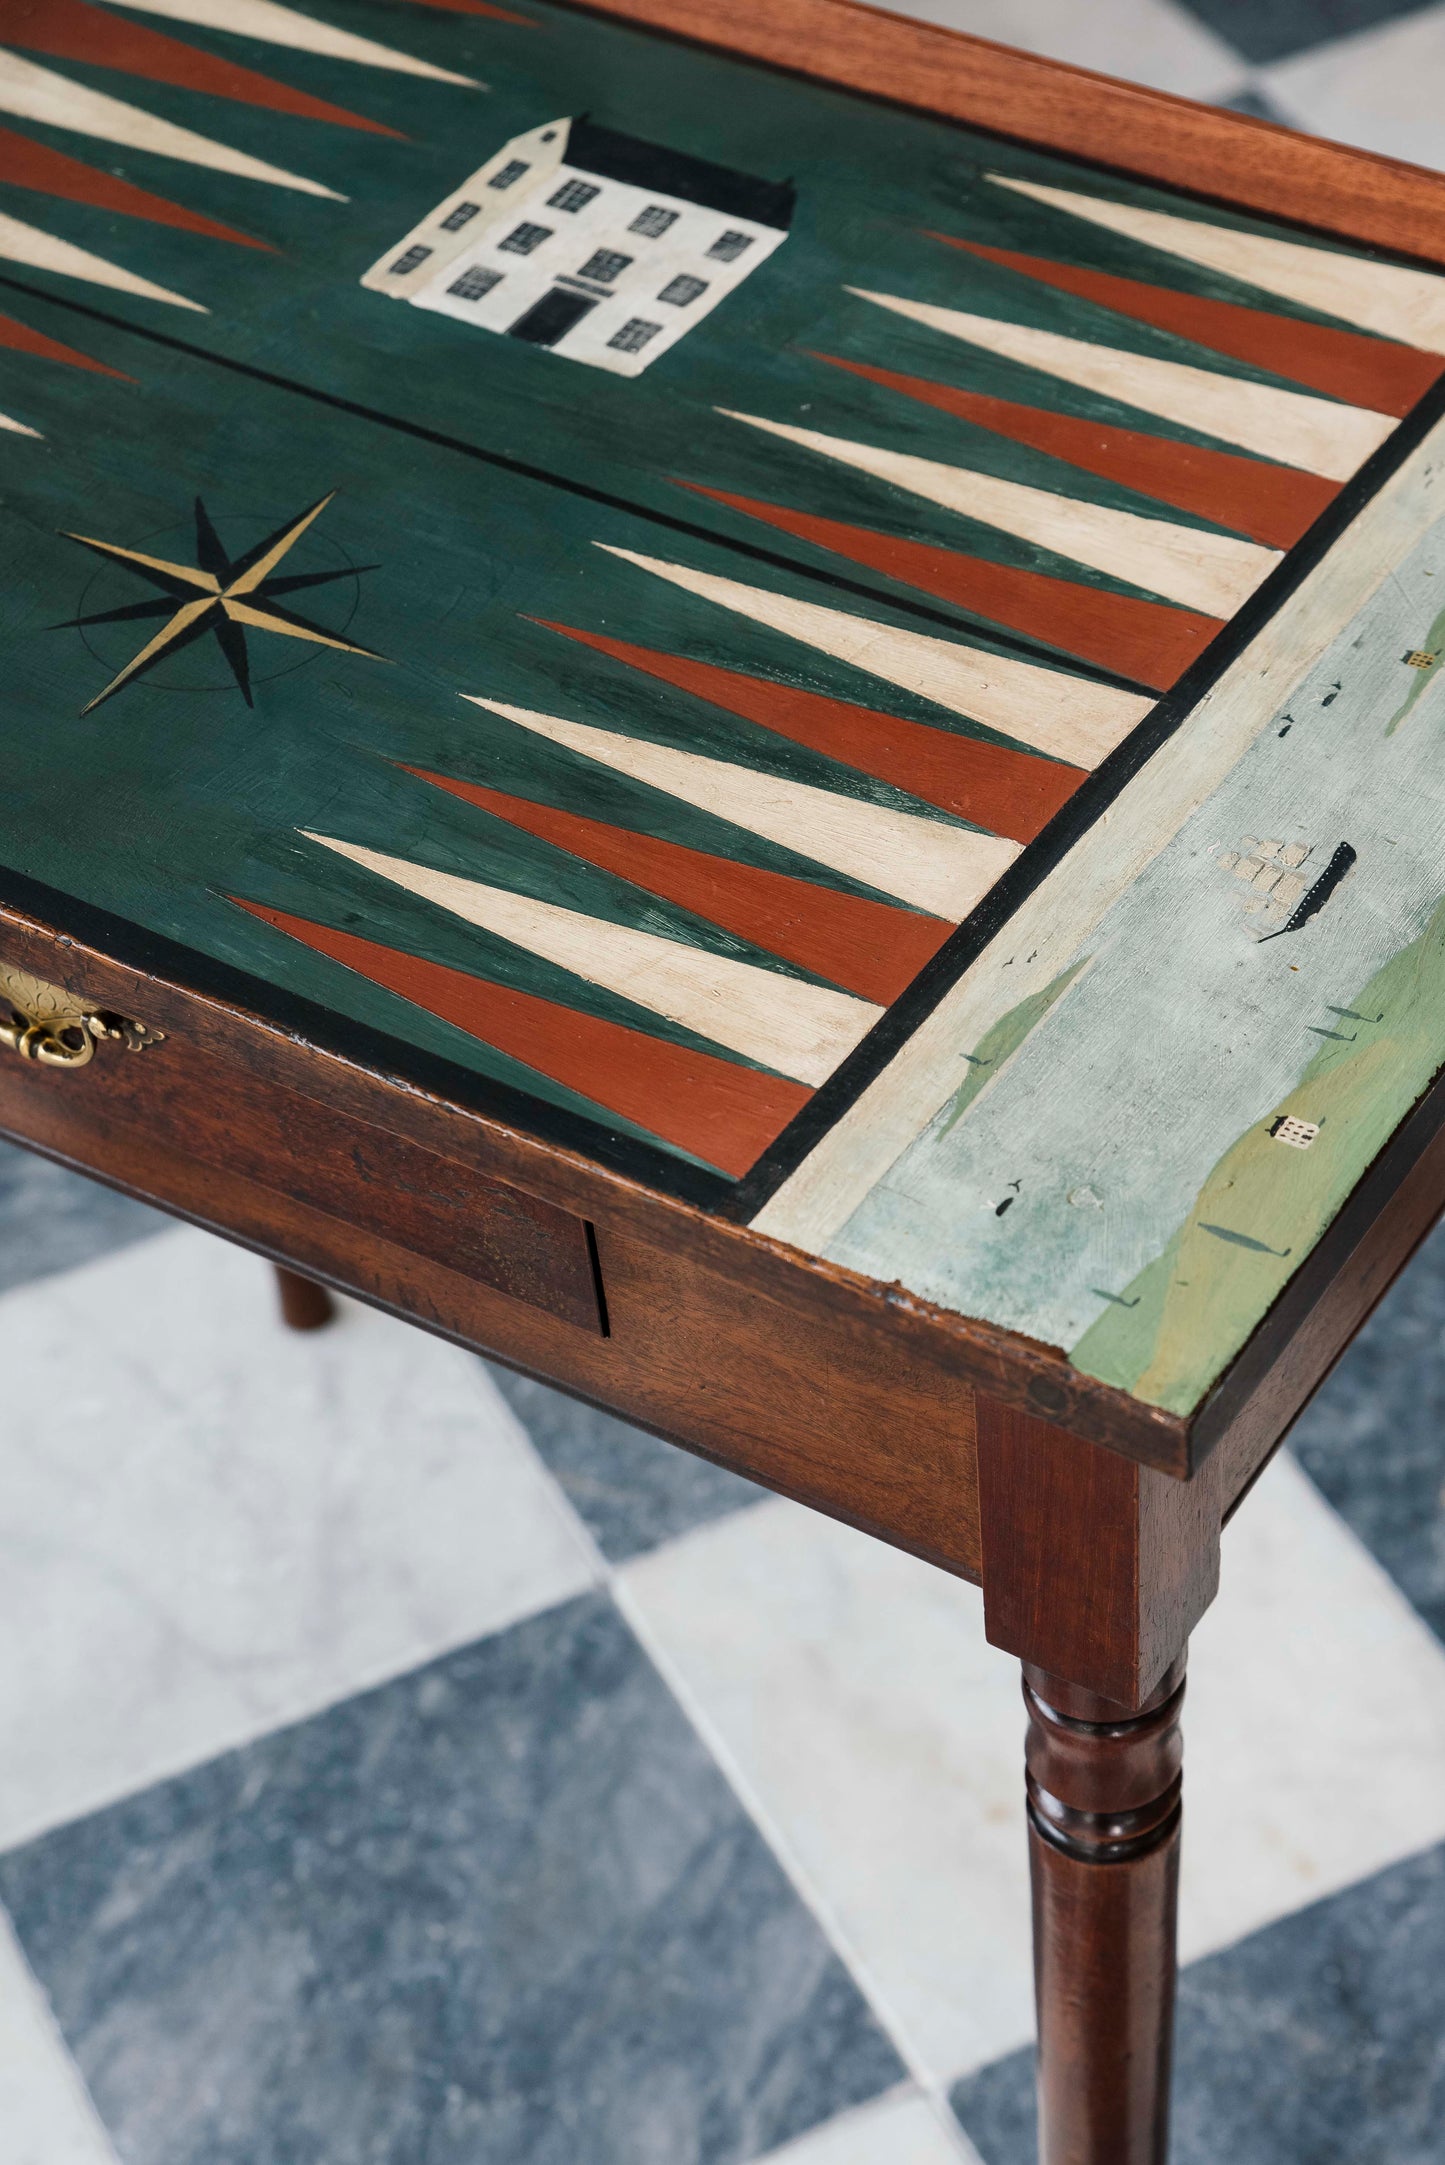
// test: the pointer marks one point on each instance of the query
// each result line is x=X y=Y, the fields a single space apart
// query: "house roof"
x=615 y=156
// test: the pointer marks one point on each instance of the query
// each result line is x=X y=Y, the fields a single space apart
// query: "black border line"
x=1069 y=824
x=1009 y=642
x=1092 y=798
x=445 y=1080
x=655 y=1165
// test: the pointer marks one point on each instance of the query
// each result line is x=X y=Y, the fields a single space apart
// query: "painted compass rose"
x=220 y=595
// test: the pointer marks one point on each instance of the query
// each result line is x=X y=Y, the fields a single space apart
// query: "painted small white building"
x=591 y=243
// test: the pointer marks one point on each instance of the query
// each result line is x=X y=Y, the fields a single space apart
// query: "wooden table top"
x=874 y=679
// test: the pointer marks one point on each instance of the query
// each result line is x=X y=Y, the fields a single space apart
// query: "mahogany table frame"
x=1090 y=1520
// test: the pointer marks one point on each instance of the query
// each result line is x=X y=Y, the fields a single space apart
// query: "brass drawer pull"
x=43 y=1022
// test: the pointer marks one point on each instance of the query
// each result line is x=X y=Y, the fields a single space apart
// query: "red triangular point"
x=21 y=339
x=1372 y=372
x=74 y=30
x=1272 y=504
x=26 y=164
x=725 y=1114
x=865 y=946
x=991 y=785
x=1145 y=640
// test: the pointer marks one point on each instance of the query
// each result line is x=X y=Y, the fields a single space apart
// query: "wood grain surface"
x=810 y=1387
x=1232 y=157
x=1104 y=1790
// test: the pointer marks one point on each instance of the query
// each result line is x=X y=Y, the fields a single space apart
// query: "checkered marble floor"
x=400 y=1765
x=403 y=1766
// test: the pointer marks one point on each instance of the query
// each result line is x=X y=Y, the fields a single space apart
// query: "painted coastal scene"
x=1144 y=1148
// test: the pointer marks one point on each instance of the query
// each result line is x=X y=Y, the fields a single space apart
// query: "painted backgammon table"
x=745 y=704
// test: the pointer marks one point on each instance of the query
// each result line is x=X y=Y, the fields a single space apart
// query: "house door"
x=552 y=317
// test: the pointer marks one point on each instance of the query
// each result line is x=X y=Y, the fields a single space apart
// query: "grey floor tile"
x=996 y=2109
x=51 y=1220
x=1374 y=1438
x=632 y=1491
x=1255 y=104
x=1272 y=29
x=501 y=1911
x=1318 y=2042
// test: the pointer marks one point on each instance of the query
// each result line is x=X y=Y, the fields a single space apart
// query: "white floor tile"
x=45 y=2116
x=1145 y=41
x=1380 y=90
x=1315 y=1722
x=896 y=2131
x=877 y=1734
x=210 y=1526
x=852 y=1689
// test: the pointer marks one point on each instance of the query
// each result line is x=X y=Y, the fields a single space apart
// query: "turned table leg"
x=1104 y=1808
x=305 y=1306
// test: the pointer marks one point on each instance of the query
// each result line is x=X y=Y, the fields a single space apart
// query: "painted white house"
x=594 y=244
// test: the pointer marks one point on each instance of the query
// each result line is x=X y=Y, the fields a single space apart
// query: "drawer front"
x=191 y=1102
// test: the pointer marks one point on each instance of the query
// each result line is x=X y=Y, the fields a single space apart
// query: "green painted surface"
x=173 y=794
x=872 y=184
x=1266 y=1204
x=996 y=1046
x=1428 y=678
x=475 y=473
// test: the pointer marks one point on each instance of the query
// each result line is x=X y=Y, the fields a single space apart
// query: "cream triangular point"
x=1289 y=426
x=1385 y=297
x=17 y=428
x=781 y=1022
x=1066 y=716
x=271 y=24
x=934 y=866
x=20 y=243
x=1201 y=570
x=56 y=101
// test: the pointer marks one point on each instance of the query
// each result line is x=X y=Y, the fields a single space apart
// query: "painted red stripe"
x=864 y=946
x=1010 y=792
x=21 y=339
x=1374 y=372
x=26 y=164
x=73 y=30
x=1272 y=504
x=724 y=1114
x=1145 y=640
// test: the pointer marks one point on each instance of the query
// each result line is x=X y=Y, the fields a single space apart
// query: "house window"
x=653 y=221
x=682 y=289
x=634 y=335
x=456 y=219
x=508 y=175
x=409 y=261
x=524 y=238
x=574 y=195
x=729 y=246
x=604 y=265
x=475 y=280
